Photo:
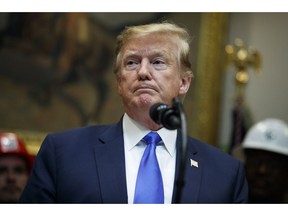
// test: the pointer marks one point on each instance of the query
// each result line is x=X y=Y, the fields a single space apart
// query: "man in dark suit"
x=99 y=164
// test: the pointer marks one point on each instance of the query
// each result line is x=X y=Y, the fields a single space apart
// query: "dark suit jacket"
x=87 y=165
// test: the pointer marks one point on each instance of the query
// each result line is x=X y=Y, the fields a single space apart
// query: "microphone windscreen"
x=156 y=112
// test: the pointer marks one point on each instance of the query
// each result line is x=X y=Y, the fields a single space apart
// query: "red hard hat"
x=10 y=144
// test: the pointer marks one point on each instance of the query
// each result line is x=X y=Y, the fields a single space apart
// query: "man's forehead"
x=150 y=47
x=11 y=159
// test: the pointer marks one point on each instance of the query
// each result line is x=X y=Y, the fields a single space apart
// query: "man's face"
x=150 y=73
x=13 y=178
x=267 y=175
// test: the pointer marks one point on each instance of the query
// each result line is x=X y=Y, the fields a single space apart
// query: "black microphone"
x=164 y=115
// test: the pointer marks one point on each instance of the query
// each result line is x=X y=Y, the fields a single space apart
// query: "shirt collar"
x=138 y=131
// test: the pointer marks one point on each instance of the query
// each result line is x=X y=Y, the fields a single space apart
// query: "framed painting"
x=56 y=71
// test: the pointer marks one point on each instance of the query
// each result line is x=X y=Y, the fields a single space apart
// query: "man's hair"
x=165 y=27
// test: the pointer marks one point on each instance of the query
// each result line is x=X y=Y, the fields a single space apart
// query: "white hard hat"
x=270 y=134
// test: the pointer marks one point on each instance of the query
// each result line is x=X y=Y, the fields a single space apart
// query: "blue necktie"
x=149 y=184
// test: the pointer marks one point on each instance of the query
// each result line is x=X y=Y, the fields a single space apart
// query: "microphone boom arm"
x=179 y=183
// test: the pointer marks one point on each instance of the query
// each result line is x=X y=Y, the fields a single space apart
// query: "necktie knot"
x=152 y=138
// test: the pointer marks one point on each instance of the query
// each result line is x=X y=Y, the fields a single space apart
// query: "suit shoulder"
x=81 y=130
x=79 y=134
x=210 y=151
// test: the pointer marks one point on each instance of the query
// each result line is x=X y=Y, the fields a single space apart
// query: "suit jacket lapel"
x=192 y=174
x=110 y=163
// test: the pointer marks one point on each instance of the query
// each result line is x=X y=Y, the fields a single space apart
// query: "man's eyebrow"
x=132 y=53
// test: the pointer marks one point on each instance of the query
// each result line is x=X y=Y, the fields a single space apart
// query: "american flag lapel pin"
x=193 y=163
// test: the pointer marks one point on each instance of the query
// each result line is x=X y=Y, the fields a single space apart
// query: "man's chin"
x=145 y=101
x=260 y=194
x=11 y=198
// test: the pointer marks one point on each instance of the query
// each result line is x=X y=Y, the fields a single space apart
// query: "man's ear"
x=117 y=82
x=185 y=84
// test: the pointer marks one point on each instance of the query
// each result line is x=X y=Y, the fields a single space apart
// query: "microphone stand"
x=179 y=183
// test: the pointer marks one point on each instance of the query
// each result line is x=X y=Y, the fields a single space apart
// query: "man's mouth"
x=144 y=89
x=11 y=189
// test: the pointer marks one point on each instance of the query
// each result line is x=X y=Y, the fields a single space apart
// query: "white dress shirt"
x=166 y=155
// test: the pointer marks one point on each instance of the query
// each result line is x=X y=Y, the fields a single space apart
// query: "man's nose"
x=11 y=175
x=263 y=168
x=145 y=70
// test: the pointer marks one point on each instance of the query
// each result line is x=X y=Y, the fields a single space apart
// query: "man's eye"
x=159 y=64
x=131 y=65
x=131 y=62
x=20 y=170
x=3 y=170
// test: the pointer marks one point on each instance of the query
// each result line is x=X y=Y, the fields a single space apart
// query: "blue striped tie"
x=149 y=185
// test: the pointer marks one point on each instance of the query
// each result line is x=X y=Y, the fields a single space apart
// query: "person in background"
x=265 y=149
x=15 y=165
x=111 y=163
